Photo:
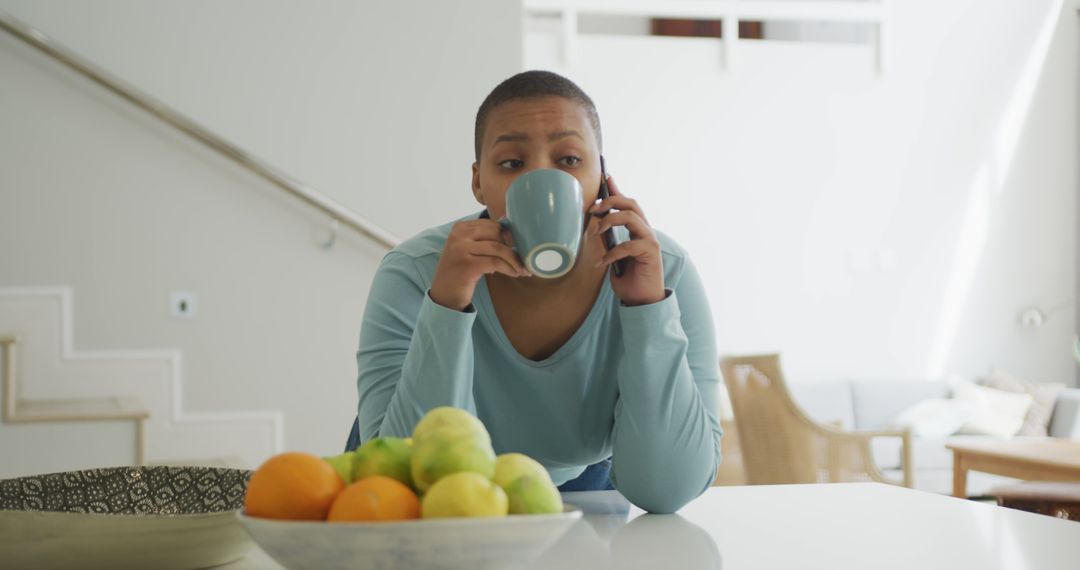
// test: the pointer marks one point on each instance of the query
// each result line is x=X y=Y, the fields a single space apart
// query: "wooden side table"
x=1061 y=500
x=1035 y=459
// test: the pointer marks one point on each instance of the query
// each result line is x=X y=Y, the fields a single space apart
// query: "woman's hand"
x=473 y=249
x=642 y=282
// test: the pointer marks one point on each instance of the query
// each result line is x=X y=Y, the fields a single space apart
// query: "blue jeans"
x=596 y=477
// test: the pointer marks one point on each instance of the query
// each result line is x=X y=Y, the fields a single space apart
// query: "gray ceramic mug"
x=544 y=216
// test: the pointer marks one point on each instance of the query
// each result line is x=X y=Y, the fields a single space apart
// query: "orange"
x=375 y=498
x=293 y=486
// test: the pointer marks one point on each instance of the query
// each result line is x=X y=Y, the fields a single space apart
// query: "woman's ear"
x=477 y=193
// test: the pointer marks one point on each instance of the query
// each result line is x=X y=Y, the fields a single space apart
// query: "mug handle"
x=504 y=222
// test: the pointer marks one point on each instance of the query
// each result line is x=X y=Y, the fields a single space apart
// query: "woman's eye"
x=570 y=161
x=512 y=164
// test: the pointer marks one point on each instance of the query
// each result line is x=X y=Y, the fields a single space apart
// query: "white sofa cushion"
x=996 y=412
x=935 y=418
x=1037 y=419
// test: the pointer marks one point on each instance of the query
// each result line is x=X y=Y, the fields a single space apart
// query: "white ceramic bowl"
x=451 y=543
x=123 y=517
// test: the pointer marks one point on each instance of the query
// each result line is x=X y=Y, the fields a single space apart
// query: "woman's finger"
x=617 y=203
x=491 y=264
x=481 y=230
x=639 y=250
x=613 y=188
x=629 y=218
x=497 y=250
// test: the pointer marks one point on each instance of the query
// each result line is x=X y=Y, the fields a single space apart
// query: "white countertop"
x=836 y=527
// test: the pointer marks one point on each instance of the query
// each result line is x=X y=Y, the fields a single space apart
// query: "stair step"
x=150 y=380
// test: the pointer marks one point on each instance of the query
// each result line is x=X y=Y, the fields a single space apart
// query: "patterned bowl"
x=123 y=517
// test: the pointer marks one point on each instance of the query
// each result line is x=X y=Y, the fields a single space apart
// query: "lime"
x=527 y=484
x=451 y=449
x=464 y=494
x=343 y=464
x=446 y=416
x=386 y=456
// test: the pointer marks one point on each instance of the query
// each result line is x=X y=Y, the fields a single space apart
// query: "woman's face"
x=524 y=135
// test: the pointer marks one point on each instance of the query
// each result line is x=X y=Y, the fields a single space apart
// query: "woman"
x=570 y=371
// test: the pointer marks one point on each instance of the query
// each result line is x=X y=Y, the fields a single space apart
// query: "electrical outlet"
x=182 y=304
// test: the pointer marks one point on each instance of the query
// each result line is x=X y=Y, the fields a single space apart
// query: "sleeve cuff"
x=648 y=316
x=444 y=317
x=667 y=293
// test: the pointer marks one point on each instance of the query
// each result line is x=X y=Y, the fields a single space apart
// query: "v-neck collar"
x=486 y=307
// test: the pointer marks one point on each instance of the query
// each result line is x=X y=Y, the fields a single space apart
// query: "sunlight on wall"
x=1012 y=122
x=987 y=184
x=969 y=251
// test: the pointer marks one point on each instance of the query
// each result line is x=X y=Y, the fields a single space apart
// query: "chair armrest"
x=1065 y=422
x=828 y=430
x=862 y=439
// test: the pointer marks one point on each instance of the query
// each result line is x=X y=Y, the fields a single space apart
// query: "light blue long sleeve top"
x=637 y=384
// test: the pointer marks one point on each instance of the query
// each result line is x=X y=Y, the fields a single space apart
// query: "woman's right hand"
x=473 y=249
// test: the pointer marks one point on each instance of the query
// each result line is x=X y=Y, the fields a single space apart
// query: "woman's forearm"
x=414 y=354
x=437 y=370
x=666 y=438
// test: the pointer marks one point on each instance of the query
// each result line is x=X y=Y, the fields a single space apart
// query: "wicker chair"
x=781 y=444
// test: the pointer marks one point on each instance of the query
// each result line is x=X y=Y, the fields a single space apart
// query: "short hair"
x=533 y=85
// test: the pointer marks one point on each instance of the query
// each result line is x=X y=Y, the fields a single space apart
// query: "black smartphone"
x=609 y=236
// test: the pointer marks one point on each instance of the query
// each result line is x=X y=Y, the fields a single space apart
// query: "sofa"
x=875 y=405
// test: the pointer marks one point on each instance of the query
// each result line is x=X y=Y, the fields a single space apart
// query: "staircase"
x=65 y=409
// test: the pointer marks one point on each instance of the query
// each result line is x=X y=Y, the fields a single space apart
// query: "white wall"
x=371 y=103
x=862 y=225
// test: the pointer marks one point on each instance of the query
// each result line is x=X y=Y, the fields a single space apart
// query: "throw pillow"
x=935 y=418
x=1044 y=396
x=995 y=412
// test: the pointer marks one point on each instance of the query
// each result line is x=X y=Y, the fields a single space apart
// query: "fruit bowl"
x=446 y=543
x=123 y=517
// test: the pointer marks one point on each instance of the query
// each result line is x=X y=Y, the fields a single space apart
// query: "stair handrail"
x=337 y=212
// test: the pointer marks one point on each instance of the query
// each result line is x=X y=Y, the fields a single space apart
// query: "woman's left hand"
x=642 y=281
